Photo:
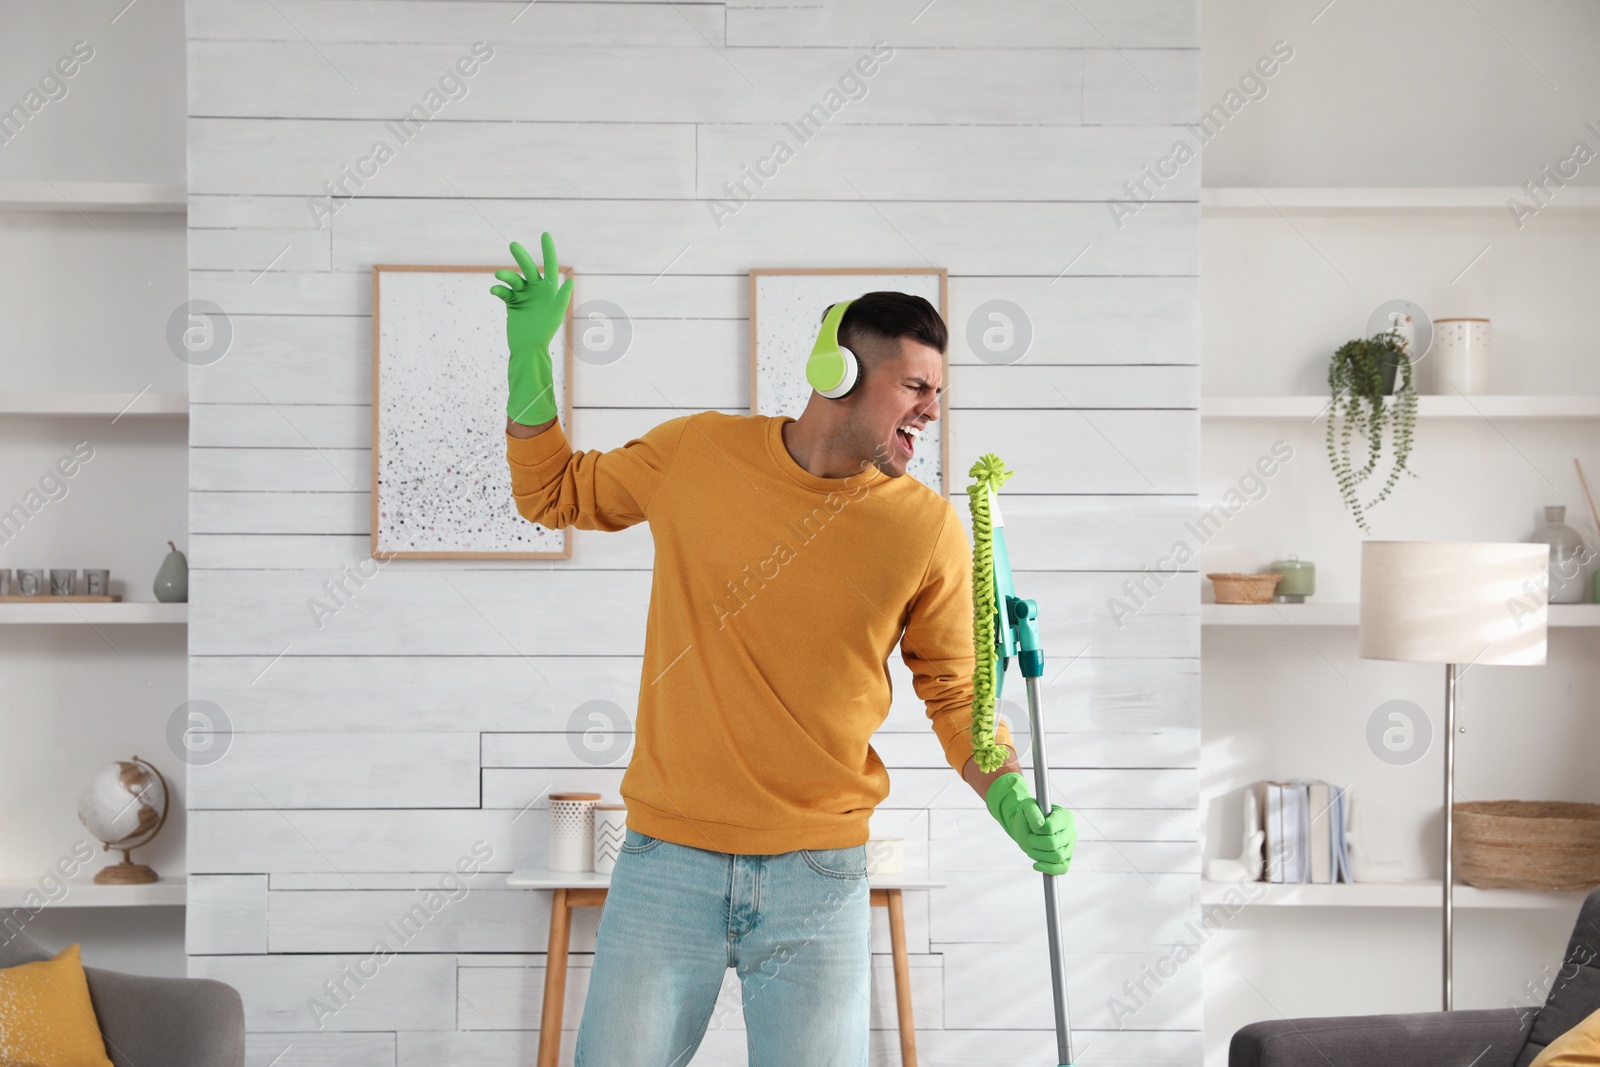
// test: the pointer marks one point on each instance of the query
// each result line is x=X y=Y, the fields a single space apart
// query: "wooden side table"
x=585 y=889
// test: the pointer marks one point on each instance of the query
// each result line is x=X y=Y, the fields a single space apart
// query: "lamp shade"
x=1454 y=601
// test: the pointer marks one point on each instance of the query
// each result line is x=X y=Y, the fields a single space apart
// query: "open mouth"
x=907 y=438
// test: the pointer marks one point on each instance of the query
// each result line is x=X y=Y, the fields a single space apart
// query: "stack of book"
x=1305 y=824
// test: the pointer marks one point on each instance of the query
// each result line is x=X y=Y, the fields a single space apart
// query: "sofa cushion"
x=1575 y=993
x=46 y=1016
x=1483 y=1038
x=1578 y=1047
x=15 y=946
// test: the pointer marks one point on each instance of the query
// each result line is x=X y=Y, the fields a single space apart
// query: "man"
x=792 y=555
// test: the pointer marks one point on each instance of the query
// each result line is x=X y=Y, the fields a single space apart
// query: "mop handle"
x=1005 y=625
x=1030 y=658
x=1052 y=907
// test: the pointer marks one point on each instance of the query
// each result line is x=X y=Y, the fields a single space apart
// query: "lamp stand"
x=1449 y=822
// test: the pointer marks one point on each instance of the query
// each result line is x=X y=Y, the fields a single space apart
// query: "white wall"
x=1428 y=92
x=84 y=302
x=1459 y=106
x=987 y=146
x=121 y=119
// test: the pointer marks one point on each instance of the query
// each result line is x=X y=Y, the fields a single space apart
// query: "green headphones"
x=832 y=370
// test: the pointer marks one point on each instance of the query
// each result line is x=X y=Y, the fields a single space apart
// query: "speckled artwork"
x=786 y=310
x=441 y=487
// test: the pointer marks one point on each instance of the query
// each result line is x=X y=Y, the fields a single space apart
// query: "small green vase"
x=172 y=579
x=1299 y=579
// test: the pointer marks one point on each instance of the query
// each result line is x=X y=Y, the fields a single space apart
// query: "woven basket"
x=1244 y=588
x=1528 y=844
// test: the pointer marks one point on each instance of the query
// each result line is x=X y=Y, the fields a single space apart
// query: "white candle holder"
x=572 y=831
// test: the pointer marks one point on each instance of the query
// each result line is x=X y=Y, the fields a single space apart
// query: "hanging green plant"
x=1361 y=375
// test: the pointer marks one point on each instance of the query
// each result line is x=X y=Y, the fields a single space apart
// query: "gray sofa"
x=1503 y=1037
x=174 y=1022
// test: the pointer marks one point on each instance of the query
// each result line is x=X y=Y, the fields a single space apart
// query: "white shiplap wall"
x=372 y=752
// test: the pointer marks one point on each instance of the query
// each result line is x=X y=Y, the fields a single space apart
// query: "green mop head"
x=991 y=630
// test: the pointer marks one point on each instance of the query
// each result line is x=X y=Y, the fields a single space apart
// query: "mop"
x=1005 y=625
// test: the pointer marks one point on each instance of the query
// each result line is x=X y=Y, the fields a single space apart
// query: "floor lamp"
x=1460 y=603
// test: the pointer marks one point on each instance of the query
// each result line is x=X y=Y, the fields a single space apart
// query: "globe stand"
x=128 y=872
x=125 y=873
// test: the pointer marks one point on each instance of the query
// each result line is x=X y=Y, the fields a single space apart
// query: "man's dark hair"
x=886 y=316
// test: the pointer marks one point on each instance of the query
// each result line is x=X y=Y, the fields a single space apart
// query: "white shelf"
x=167 y=892
x=110 y=405
x=1331 y=614
x=118 y=614
x=1404 y=199
x=1428 y=407
x=1420 y=894
x=1309 y=614
x=141 y=197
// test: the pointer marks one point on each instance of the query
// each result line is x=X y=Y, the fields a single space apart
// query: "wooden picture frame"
x=385 y=547
x=851 y=284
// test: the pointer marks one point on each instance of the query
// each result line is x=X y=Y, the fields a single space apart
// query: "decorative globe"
x=125 y=805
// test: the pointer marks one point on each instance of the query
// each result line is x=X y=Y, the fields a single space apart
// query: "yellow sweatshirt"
x=776 y=601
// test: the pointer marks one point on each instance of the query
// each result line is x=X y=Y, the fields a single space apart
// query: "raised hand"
x=536 y=306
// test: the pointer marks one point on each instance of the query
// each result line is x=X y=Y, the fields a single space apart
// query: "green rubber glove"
x=536 y=305
x=1047 y=839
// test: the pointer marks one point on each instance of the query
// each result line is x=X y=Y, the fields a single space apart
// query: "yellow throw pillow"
x=46 y=1016
x=1578 y=1047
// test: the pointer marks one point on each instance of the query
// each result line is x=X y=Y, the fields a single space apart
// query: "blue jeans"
x=796 y=926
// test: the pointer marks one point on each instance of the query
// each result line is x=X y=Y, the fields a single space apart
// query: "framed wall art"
x=440 y=485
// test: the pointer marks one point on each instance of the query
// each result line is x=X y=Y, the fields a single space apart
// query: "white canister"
x=1459 y=357
x=610 y=826
x=886 y=855
x=572 y=831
